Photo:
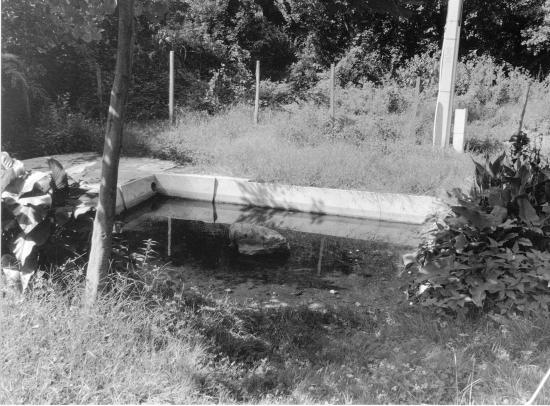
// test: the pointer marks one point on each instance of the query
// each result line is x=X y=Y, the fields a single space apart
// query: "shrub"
x=38 y=208
x=424 y=66
x=275 y=93
x=359 y=65
x=492 y=252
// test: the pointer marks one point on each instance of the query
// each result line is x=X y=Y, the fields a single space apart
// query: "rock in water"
x=252 y=239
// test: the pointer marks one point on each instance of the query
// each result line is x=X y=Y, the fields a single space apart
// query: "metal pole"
x=332 y=91
x=257 y=99
x=171 y=89
x=447 y=70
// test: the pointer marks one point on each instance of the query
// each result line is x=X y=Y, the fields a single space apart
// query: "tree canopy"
x=60 y=44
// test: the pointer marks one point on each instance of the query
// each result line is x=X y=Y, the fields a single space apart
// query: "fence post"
x=332 y=91
x=461 y=116
x=169 y=245
x=257 y=98
x=171 y=89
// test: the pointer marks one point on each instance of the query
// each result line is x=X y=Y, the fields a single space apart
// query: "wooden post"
x=257 y=98
x=461 y=116
x=520 y=125
x=447 y=70
x=320 y=260
x=332 y=91
x=418 y=87
x=171 y=89
x=412 y=125
x=169 y=236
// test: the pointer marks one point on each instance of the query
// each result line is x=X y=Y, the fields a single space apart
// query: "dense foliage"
x=41 y=210
x=492 y=251
x=66 y=60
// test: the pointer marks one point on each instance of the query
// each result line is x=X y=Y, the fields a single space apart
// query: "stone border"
x=391 y=207
x=134 y=192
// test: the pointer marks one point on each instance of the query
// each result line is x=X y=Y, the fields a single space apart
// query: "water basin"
x=332 y=258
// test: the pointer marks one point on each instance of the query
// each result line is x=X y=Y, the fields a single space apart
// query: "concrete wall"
x=350 y=203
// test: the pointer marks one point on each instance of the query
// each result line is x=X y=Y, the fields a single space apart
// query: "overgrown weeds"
x=140 y=345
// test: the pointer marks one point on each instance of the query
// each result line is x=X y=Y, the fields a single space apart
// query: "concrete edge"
x=134 y=192
x=393 y=207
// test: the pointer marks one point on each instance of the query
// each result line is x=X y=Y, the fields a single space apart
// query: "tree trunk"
x=103 y=224
x=99 y=80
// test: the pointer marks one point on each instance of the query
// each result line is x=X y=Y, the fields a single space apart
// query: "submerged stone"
x=251 y=239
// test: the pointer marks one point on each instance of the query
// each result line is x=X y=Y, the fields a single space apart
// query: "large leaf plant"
x=36 y=207
x=491 y=251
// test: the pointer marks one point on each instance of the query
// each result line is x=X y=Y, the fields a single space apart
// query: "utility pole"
x=447 y=73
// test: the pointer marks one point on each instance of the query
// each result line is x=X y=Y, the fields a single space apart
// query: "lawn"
x=186 y=341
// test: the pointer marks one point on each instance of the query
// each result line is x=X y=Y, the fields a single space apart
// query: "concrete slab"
x=86 y=166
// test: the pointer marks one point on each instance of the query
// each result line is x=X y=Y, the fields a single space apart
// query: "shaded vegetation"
x=66 y=61
x=136 y=346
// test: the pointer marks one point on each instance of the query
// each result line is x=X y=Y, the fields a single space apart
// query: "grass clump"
x=117 y=353
x=142 y=345
x=379 y=140
x=304 y=147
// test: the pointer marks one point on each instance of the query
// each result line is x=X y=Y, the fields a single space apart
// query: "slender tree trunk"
x=103 y=224
x=99 y=90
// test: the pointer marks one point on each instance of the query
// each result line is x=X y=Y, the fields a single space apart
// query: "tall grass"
x=189 y=348
x=380 y=139
x=303 y=147
x=118 y=353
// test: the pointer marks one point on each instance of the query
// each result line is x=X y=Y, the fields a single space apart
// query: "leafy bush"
x=36 y=207
x=492 y=251
x=275 y=93
x=424 y=66
x=359 y=65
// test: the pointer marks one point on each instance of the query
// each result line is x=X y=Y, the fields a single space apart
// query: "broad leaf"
x=22 y=247
x=26 y=184
x=527 y=212
x=28 y=217
x=59 y=176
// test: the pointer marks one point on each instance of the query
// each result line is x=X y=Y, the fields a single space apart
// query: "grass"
x=188 y=348
x=375 y=143
x=300 y=148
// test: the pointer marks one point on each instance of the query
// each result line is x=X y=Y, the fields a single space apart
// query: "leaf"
x=6 y=160
x=28 y=217
x=439 y=267
x=63 y=215
x=498 y=215
x=8 y=176
x=24 y=185
x=409 y=258
x=28 y=270
x=22 y=247
x=479 y=219
x=59 y=176
x=496 y=166
x=478 y=294
x=483 y=178
x=527 y=212
x=460 y=243
x=525 y=242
